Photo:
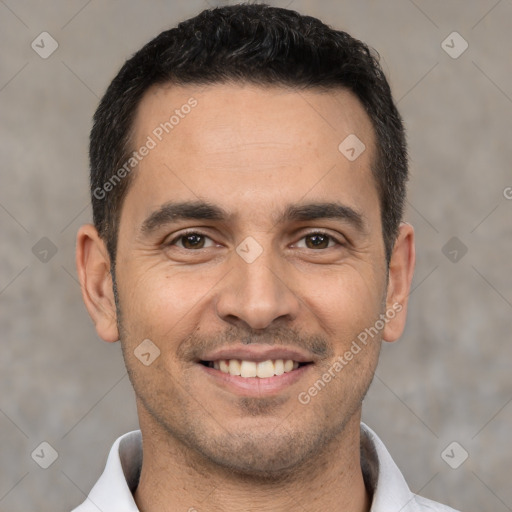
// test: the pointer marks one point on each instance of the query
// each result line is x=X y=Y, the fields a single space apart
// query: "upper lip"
x=258 y=353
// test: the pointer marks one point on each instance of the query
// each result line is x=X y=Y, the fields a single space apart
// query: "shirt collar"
x=114 y=489
x=113 y=492
x=382 y=476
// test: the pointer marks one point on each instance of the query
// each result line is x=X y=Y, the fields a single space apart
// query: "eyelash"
x=193 y=232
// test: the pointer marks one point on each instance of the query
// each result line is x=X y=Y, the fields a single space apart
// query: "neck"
x=173 y=477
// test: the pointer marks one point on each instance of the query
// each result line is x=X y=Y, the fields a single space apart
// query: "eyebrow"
x=172 y=212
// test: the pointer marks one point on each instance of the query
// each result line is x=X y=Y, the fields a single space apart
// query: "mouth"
x=255 y=378
x=260 y=369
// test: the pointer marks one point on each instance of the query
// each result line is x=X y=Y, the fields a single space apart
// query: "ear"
x=93 y=265
x=401 y=270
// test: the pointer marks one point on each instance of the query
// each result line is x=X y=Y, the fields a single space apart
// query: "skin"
x=251 y=151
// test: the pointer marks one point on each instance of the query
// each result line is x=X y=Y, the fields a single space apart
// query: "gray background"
x=448 y=378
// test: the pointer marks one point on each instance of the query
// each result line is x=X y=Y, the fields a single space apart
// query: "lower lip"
x=256 y=386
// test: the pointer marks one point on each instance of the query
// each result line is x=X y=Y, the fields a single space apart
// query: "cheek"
x=159 y=305
x=163 y=304
x=348 y=300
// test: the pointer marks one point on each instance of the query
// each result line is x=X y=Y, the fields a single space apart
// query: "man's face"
x=255 y=279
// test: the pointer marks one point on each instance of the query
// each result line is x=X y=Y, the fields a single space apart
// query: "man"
x=248 y=174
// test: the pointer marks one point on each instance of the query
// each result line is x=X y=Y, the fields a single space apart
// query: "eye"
x=194 y=240
x=319 y=240
x=191 y=240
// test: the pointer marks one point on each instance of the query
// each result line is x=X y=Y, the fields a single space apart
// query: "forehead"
x=235 y=141
x=231 y=115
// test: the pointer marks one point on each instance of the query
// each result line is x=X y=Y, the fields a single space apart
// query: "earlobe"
x=401 y=270
x=93 y=266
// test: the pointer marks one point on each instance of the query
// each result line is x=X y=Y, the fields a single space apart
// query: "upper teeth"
x=253 y=369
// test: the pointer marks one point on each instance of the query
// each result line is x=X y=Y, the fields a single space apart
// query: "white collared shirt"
x=113 y=492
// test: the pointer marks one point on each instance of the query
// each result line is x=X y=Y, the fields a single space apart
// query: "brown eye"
x=191 y=241
x=319 y=240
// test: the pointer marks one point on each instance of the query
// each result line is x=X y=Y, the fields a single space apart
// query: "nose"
x=257 y=293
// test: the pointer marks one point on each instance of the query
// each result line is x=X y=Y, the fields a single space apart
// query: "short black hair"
x=246 y=43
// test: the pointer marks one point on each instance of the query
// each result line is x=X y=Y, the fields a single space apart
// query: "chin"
x=267 y=456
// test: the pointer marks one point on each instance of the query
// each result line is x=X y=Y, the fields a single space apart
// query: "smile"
x=255 y=378
x=247 y=369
